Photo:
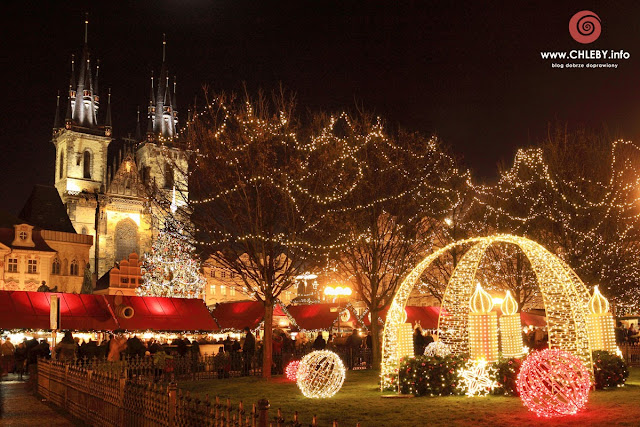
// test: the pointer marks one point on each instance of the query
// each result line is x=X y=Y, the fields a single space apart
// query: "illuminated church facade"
x=112 y=193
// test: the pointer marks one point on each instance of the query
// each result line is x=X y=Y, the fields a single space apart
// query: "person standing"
x=7 y=351
x=248 y=350
x=67 y=349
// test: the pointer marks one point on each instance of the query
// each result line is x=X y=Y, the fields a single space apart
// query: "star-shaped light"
x=476 y=378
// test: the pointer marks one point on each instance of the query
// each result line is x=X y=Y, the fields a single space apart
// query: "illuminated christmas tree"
x=171 y=269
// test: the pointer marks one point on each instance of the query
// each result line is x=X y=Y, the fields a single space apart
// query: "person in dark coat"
x=418 y=342
x=353 y=345
x=319 y=343
x=428 y=340
x=248 y=350
x=182 y=346
x=135 y=347
x=67 y=349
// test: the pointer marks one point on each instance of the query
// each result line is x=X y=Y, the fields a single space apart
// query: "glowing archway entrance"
x=564 y=295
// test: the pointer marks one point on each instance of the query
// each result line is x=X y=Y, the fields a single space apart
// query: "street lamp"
x=336 y=293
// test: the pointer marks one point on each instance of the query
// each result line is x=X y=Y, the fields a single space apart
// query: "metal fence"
x=110 y=399
x=166 y=368
x=631 y=354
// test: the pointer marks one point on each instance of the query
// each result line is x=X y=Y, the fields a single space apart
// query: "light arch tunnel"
x=564 y=295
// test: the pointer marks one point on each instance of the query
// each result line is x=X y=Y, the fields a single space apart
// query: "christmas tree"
x=171 y=270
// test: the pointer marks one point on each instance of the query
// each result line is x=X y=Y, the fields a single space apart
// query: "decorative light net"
x=320 y=374
x=291 y=371
x=437 y=348
x=553 y=383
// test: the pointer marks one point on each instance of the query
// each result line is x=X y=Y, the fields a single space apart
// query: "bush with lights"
x=506 y=376
x=430 y=376
x=609 y=370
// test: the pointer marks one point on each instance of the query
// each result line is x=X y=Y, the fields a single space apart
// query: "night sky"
x=470 y=73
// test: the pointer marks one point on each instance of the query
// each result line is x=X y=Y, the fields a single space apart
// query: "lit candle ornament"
x=510 y=330
x=483 y=327
x=600 y=324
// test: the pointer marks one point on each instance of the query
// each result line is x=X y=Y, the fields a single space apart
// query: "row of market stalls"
x=91 y=314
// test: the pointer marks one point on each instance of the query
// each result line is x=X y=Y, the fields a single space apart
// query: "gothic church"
x=111 y=194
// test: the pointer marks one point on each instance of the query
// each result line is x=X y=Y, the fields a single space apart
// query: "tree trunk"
x=267 y=347
x=376 y=342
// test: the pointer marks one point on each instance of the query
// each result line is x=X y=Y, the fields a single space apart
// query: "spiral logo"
x=584 y=27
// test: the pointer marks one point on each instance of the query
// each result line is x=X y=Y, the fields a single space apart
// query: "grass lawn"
x=360 y=400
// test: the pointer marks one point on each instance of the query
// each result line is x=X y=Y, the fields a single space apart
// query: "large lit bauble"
x=437 y=348
x=320 y=374
x=553 y=383
x=291 y=371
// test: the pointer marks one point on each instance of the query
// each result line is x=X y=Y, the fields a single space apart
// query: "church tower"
x=100 y=187
x=82 y=141
x=162 y=160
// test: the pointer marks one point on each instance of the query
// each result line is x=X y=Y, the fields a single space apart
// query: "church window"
x=12 y=265
x=168 y=176
x=74 y=268
x=55 y=267
x=61 y=171
x=32 y=266
x=126 y=238
x=212 y=273
x=87 y=164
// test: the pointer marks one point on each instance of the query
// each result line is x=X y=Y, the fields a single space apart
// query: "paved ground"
x=21 y=408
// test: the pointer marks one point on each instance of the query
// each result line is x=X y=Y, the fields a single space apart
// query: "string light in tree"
x=553 y=383
x=320 y=374
x=510 y=328
x=476 y=378
x=600 y=323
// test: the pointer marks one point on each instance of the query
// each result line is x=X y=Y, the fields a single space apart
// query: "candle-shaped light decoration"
x=483 y=327
x=600 y=324
x=510 y=330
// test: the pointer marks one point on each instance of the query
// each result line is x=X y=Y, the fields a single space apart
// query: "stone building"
x=114 y=190
x=41 y=246
x=122 y=279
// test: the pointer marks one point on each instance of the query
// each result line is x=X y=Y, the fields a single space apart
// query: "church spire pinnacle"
x=56 y=120
x=86 y=27
x=108 y=119
x=164 y=47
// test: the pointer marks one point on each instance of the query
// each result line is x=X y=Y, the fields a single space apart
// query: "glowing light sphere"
x=291 y=371
x=320 y=374
x=437 y=348
x=476 y=378
x=553 y=383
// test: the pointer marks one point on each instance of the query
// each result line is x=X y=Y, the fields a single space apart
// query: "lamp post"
x=337 y=292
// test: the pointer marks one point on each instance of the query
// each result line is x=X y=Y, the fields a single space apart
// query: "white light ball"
x=320 y=374
x=437 y=348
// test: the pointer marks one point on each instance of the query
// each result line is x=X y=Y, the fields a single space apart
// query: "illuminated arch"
x=564 y=295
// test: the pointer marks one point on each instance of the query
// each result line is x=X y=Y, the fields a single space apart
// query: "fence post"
x=123 y=383
x=66 y=385
x=173 y=403
x=263 y=412
x=88 y=395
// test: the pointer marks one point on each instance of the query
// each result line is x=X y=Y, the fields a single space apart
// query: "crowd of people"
x=630 y=335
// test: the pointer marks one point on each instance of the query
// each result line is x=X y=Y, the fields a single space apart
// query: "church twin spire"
x=162 y=115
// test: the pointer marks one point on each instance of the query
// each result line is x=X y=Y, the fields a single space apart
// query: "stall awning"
x=30 y=310
x=530 y=319
x=318 y=316
x=238 y=315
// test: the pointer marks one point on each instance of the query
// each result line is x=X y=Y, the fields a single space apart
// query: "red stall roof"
x=238 y=315
x=530 y=319
x=316 y=316
x=30 y=310
x=426 y=316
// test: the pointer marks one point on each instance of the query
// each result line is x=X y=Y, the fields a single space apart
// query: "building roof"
x=30 y=310
x=238 y=315
x=320 y=316
x=45 y=210
x=7 y=235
